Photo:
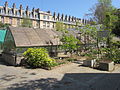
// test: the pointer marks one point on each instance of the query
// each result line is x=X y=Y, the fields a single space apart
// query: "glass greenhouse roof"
x=2 y=35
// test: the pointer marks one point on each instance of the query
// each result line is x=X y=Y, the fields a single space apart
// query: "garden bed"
x=106 y=65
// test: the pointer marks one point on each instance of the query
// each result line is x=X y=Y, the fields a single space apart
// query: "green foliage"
x=116 y=29
x=1 y=25
x=90 y=31
x=106 y=53
x=92 y=22
x=26 y=22
x=61 y=27
x=116 y=43
x=77 y=25
x=38 y=57
x=92 y=54
x=116 y=55
x=4 y=25
x=69 y=43
x=105 y=2
x=98 y=12
x=112 y=53
x=110 y=20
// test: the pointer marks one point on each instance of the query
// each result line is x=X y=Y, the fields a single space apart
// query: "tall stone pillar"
x=72 y=19
x=38 y=13
x=69 y=18
x=13 y=9
x=54 y=15
x=62 y=17
x=58 y=17
x=6 y=7
x=33 y=13
x=21 y=10
x=27 y=12
x=83 y=21
x=66 y=19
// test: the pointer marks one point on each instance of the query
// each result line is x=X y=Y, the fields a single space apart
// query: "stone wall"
x=12 y=59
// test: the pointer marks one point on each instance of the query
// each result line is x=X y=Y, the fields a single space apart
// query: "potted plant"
x=106 y=63
x=91 y=60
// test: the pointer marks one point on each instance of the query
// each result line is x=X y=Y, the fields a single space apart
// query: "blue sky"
x=77 y=8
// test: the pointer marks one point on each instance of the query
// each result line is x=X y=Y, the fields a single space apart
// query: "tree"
x=98 y=12
x=90 y=32
x=110 y=20
x=26 y=22
x=116 y=29
x=69 y=43
x=77 y=25
x=61 y=27
x=104 y=13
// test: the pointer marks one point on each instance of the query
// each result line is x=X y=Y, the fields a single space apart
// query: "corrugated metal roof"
x=2 y=35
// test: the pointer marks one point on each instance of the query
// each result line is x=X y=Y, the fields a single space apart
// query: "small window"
x=2 y=19
x=30 y=15
x=23 y=14
x=0 y=11
x=3 y=11
x=36 y=16
x=48 y=17
x=11 y=20
x=18 y=21
x=44 y=24
x=10 y=12
x=44 y=17
x=16 y=13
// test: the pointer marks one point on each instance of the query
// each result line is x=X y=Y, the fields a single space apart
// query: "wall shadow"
x=73 y=81
x=2 y=61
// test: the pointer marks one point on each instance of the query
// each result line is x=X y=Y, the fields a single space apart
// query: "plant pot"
x=106 y=65
x=89 y=63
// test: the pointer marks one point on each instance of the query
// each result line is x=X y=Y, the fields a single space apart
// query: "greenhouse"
x=2 y=38
x=19 y=39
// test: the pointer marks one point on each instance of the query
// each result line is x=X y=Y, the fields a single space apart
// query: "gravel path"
x=67 y=77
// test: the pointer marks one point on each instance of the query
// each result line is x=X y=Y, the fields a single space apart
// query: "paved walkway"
x=67 y=77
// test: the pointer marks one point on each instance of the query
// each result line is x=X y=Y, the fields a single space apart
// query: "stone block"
x=89 y=63
x=107 y=66
x=12 y=59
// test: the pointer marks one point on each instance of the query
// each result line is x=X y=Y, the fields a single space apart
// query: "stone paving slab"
x=67 y=77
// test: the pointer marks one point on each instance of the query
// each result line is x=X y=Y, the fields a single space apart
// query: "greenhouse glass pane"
x=9 y=42
x=2 y=35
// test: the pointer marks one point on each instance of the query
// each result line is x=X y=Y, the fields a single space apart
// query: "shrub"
x=116 y=55
x=112 y=53
x=38 y=57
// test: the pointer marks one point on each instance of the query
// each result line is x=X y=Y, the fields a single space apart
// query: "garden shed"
x=18 y=39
